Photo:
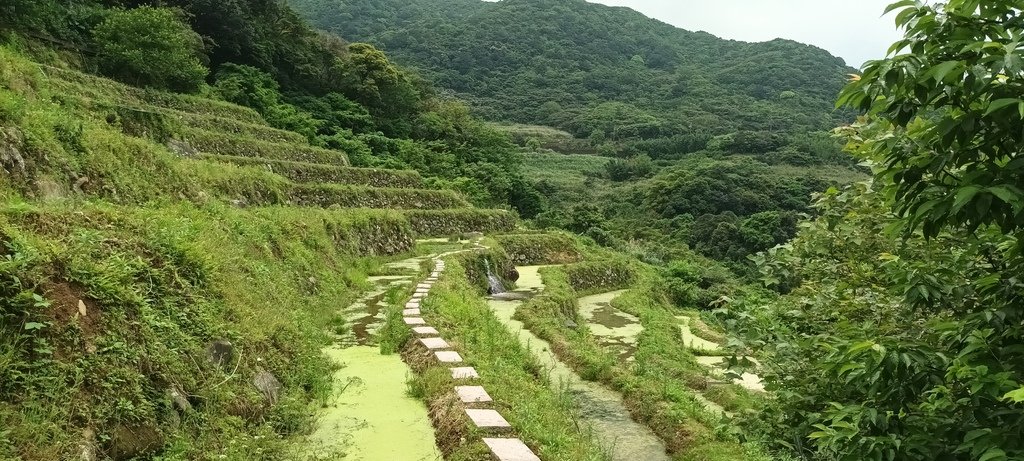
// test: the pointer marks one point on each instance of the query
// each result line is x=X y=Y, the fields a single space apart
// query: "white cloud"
x=852 y=29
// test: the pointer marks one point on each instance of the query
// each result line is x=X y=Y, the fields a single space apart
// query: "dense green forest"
x=260 y=54
x=700 y=128
x=597 y=71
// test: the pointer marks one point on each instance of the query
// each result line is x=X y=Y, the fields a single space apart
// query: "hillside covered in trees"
x=341 y=96
x=711 y=144
x=594 y=70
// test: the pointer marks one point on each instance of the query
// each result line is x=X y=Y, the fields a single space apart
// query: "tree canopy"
x=901 y=339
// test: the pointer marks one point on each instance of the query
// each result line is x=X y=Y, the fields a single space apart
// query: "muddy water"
x=749 y=381
x=371 y=416
x=693 y=341
x=614 y=329
x=600 y=408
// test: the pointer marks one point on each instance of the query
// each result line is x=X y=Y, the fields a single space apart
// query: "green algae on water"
x=600 y=408
x=613 y=328
x=370 y=404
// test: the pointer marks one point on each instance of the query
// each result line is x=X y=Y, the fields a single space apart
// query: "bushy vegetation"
x=900 y=338
x=150 y=47
x=121 y=262
x=692 y=128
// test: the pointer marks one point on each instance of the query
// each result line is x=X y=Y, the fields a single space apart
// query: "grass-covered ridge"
x=663 y=388
x=122 y=261
x=542 y=417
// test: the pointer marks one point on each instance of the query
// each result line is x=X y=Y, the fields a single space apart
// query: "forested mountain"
x=718 y=144
x=596 y=70
x=261 y=54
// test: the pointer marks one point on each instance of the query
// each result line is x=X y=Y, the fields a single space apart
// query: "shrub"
x=151 y=47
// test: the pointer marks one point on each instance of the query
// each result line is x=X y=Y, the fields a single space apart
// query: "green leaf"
x=1016 y=396
x=32 y=326
x=1000 y=103
x=941 y=71
x=963 y=196
x=993 y=454
x=898 y=5
x=1008 y=194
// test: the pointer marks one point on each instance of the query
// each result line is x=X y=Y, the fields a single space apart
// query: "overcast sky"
x=851 y=29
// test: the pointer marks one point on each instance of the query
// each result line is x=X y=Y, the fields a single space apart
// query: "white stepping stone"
x=411 y=312
x=434 y=343
x=416 y=296
x=487 y=419
x=464 y=373
x=425 y=286
x=510 y=450
x=422 y=290
x=425 y=331
x=472 y=394
x=412 y=305
x=448 y=356
x=415 y=321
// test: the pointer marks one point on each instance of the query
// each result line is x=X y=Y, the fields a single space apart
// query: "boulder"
x=127 y=442
x=11 y=144
x=182 y=148
x=180 y=399
x=220 y=353
x=88 y=449
x=268 y=385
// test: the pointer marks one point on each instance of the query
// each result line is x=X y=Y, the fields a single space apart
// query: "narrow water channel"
x=371 y=416
x=614 y=329
x=600 y=407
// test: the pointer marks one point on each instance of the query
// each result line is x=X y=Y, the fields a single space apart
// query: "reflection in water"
x=600 y=407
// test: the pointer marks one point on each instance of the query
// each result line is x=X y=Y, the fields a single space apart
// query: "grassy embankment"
x=121 y=261
x=664 y=387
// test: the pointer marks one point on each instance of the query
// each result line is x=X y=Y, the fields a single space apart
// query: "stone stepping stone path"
x=510 y=450
x=434 y=343
x=472 y=394
x=464 y=373
x=425 y=331
x=487 y=419
x=503 y=449
x=448 y=357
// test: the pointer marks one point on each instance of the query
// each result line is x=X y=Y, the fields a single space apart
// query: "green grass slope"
x=122 y=260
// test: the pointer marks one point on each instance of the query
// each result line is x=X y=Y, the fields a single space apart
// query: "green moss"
x=326 y=195
x=318 y=173
x=211 y=142
x=442 y=223
x=537 y=249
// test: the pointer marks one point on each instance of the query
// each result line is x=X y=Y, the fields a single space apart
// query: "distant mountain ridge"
x=561 y=62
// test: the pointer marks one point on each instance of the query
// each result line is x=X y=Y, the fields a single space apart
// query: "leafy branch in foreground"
x=902 y=336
